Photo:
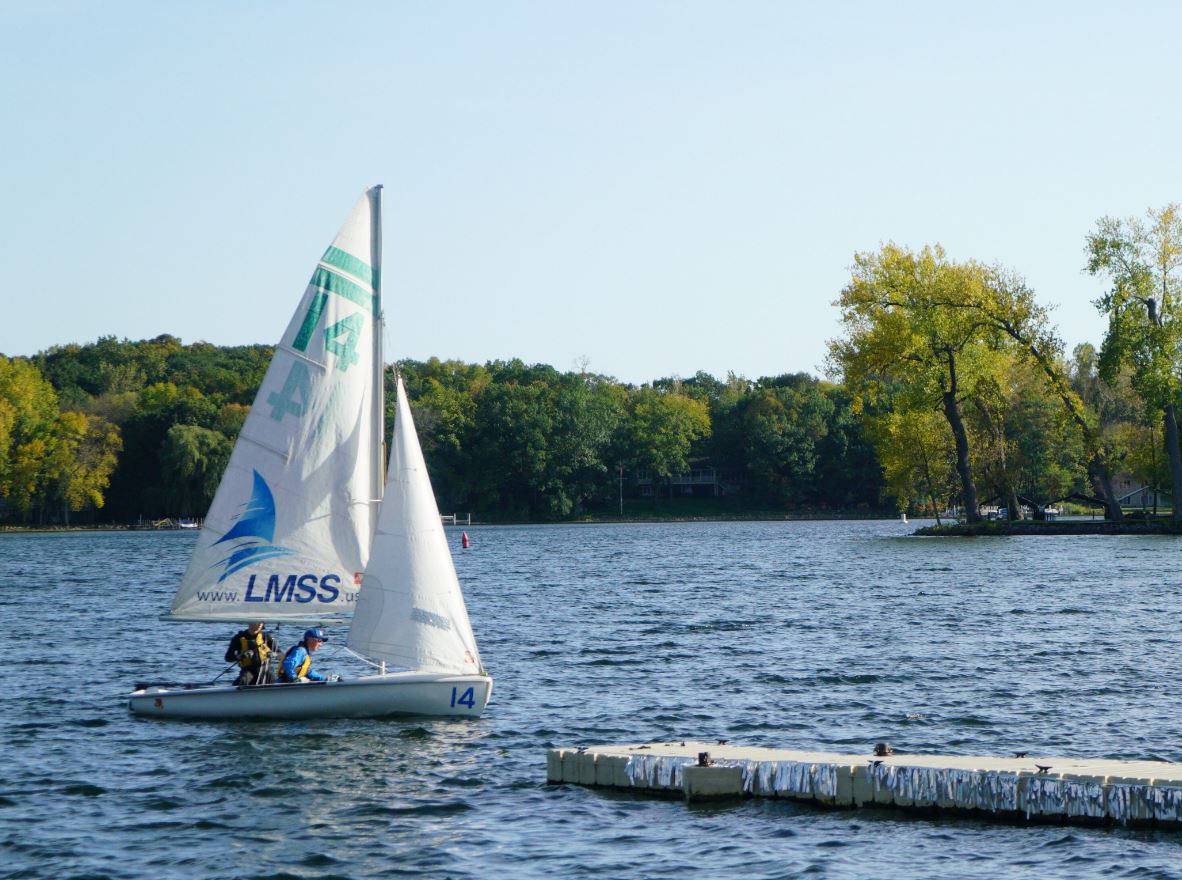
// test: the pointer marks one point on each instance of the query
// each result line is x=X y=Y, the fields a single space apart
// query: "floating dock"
x=1023 y=788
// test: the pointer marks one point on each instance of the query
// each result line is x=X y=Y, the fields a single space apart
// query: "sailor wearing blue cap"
x=297 y=662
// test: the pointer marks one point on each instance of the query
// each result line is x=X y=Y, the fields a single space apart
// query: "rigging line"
x=224 y=671
x=362 y=658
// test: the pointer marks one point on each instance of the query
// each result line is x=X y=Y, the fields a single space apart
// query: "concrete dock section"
x=1021 y=787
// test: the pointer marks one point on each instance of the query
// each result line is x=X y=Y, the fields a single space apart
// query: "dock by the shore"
x=1071 y=790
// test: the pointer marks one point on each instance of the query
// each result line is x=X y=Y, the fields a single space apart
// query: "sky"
x=644 y=188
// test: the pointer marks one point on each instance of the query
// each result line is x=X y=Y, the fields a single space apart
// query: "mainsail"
x=411 y=612
x=289 y=530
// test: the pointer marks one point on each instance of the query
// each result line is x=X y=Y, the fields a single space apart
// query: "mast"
x=379 y=379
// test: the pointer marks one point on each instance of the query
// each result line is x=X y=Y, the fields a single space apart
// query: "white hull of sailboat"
x=402 y=693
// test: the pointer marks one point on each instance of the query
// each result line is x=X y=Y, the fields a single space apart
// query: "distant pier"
x=1024 y=788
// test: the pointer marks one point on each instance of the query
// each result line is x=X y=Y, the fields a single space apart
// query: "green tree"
x=443 y=397
x=224 y=374
x=999 y=308
x=1142 y=260
x=847 y=472
x=661 y=428
x=509 y=449
x=905 y=329
x=195 y=459
x=142 y=486
x=918 y=458
x=1144 y=455
x=28 y=421
x=784 y=423
x=1008 y=306
x=588 y=410
x=1047 y=453
x=990 y=403
x=80 y=461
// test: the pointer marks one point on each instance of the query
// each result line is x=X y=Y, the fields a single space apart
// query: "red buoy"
x=464 y=541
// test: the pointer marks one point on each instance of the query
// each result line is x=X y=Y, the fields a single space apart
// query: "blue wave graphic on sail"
x=254 y=531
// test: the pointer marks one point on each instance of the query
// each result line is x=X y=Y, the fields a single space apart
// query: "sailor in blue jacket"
x=297 y=662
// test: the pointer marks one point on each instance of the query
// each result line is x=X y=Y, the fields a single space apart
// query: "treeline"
x=123 y=431
x=529 y=442
x=965 y=390
x=950 y=387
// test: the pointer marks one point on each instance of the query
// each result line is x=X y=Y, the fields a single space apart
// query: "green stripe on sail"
x=311 y=319
x=346 y=262
x=333 y=283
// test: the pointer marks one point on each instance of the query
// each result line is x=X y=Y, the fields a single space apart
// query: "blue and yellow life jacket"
x=302 y=669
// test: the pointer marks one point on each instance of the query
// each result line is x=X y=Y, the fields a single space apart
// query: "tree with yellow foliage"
x=28 y=415
x=81 y=458
x=904 y=331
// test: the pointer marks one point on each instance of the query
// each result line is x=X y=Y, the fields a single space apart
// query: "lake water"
x=811 y=635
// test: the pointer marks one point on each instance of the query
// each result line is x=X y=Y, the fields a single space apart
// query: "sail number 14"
x=467 y=698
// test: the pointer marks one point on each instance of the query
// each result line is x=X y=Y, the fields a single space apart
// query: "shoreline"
x=988 y=528
x=1033 y=527
x=604 y=520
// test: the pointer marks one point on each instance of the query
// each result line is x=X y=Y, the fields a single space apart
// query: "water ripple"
x=808 y=635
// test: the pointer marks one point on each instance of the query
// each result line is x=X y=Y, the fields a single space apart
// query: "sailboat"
x=304 y=529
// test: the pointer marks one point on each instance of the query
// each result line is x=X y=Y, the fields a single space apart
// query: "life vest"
x=258 y=644
x=303 y=668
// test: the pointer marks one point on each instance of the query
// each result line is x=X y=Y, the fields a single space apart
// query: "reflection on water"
x=806 y=635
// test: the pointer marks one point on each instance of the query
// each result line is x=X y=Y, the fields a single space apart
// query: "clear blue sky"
x=657 y=187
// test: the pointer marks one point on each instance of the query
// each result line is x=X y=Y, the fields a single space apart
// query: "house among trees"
x=1132 y=493
x=702 y=480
